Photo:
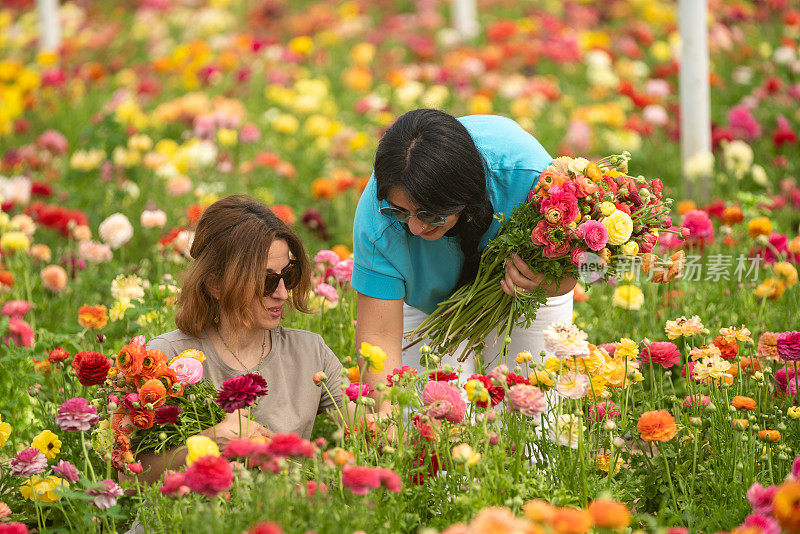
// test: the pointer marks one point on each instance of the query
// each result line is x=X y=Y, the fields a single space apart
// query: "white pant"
x=530 y=339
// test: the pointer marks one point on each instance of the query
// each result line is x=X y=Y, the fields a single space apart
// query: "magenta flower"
x=528 y=400
x=760 y=498
x=174 y=484
x=796 y=468
x=343 y=271
x=361 y=479
x=357 y=389
x=789 y=346
x=761 y=524
x=743 y=123
x=241 y=391
x=699 y=224
x=28 y=462
x=289 y=444
x=167 y=414
x=564 y=201
x=698 y=399
x=605 y=410
x=594 y=233
x=76 y=415
x=209 y=475
x=105 y=493
x=20 y=332
x=67 y=471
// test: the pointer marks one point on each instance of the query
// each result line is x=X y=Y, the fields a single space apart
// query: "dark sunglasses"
x=290 y=275
x=401 y=215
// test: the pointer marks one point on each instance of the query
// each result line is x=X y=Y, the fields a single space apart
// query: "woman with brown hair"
x=247 y=268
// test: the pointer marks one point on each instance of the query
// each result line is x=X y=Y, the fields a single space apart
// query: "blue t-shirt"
x=390 y=263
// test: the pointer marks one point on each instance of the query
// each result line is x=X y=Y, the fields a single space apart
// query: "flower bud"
x=609 y=425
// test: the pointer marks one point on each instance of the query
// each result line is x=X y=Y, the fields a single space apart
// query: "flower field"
x=671 y=404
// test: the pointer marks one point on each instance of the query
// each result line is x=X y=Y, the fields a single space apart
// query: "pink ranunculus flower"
x=594 y=233
x=94 y=251
x=697 y=400
x=554 y=245
x=442 y=391
x=577 y=256
x=760 y=498
x=664 y=353
x=327 y=291
x=343 y=271
x=187 y=370
x=789 y=346
x=54 y=142
x=67 y=471
x=105 y=493
x=16 y=308
x=249 y=133
x=76 y=415
x=327 y=256
x=20 y=332
x=743 y=123
x=759 y=523
x=357 y=389
x=528 y=400
x=699 y=224
x=564 y=201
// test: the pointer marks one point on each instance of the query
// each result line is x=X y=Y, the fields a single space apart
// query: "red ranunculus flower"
x=664 y=353
x=241 y=391
x=728 y=349
x=167 y=414
x=440 y=376
x=789 y=346
x=91 y=367
x=496 y=393
x=290 y=445
x=209 y=475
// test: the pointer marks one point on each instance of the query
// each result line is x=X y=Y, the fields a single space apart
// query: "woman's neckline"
x=209 y=344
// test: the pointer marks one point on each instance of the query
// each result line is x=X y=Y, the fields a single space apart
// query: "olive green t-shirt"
x=293 y=400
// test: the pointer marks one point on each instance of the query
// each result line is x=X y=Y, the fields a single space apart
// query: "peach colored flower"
x=54 y=278
x=94 y=252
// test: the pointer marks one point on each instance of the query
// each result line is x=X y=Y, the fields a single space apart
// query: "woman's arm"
x=380 y=323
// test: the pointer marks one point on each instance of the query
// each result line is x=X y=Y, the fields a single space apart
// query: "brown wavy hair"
x=230 y=249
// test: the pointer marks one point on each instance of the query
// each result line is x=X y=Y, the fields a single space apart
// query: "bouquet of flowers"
x=154 y=404
x=583 y=219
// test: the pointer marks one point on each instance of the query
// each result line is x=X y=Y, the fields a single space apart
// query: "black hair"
x=433 y=159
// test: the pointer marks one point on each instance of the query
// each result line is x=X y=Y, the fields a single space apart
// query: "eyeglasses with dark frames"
x=290 y=275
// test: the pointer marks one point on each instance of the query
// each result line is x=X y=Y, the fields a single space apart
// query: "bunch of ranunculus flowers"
x=146 y=400
x=582 y=219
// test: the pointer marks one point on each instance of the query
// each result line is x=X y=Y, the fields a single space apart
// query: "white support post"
x=50 y=30
x=465 y=18
x=695 y=100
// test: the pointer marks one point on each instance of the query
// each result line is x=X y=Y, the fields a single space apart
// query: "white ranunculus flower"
x=116 y=230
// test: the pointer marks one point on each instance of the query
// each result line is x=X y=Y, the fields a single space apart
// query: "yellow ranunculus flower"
x=543 y=379
x=302 y=45
x=200 y=446
x=793 y=412
x=630 y=248
x=619 y=226
x=374 y=356
x=14 y=241
x=479 y=105
x=5 y=432
x=524 y=356
x=464 y=455
x=607 y=208
x=628 y=297
x=363 y=53
x=42 y=489
x=227 y=136
x=48 y=443
x=285 y=123
x=476 y=391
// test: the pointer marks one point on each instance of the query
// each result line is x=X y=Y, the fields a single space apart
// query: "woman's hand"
x=519 y=276
x=229 y=428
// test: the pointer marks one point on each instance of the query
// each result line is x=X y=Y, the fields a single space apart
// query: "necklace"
x=244 y=367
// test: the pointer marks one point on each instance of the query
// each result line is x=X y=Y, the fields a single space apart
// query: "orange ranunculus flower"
x=657 y=425
x=685 y=206
x=129 y=360
x=771 y=288
x=571 y=521
x=742 y=423
x=743 y=403
x=732 y=215
x=354 y=374
x=751 y=365
x=42 y=366
x=92 y=317
x=342 y=251
x=759 y=226
x=786 y=506
x=6 y=279
x=194 y=212
x=323 y=188
x=593 y=172
x=143 y=419
x=153 y=364
x=769 y=435
x=153 y=393
x=539 y=510
x=609 y=514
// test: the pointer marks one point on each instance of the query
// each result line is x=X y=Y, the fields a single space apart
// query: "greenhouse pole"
x=50 y=37
x=465 y=18
x=695 y=99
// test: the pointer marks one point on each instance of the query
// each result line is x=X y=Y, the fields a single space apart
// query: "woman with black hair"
x=424 y=218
